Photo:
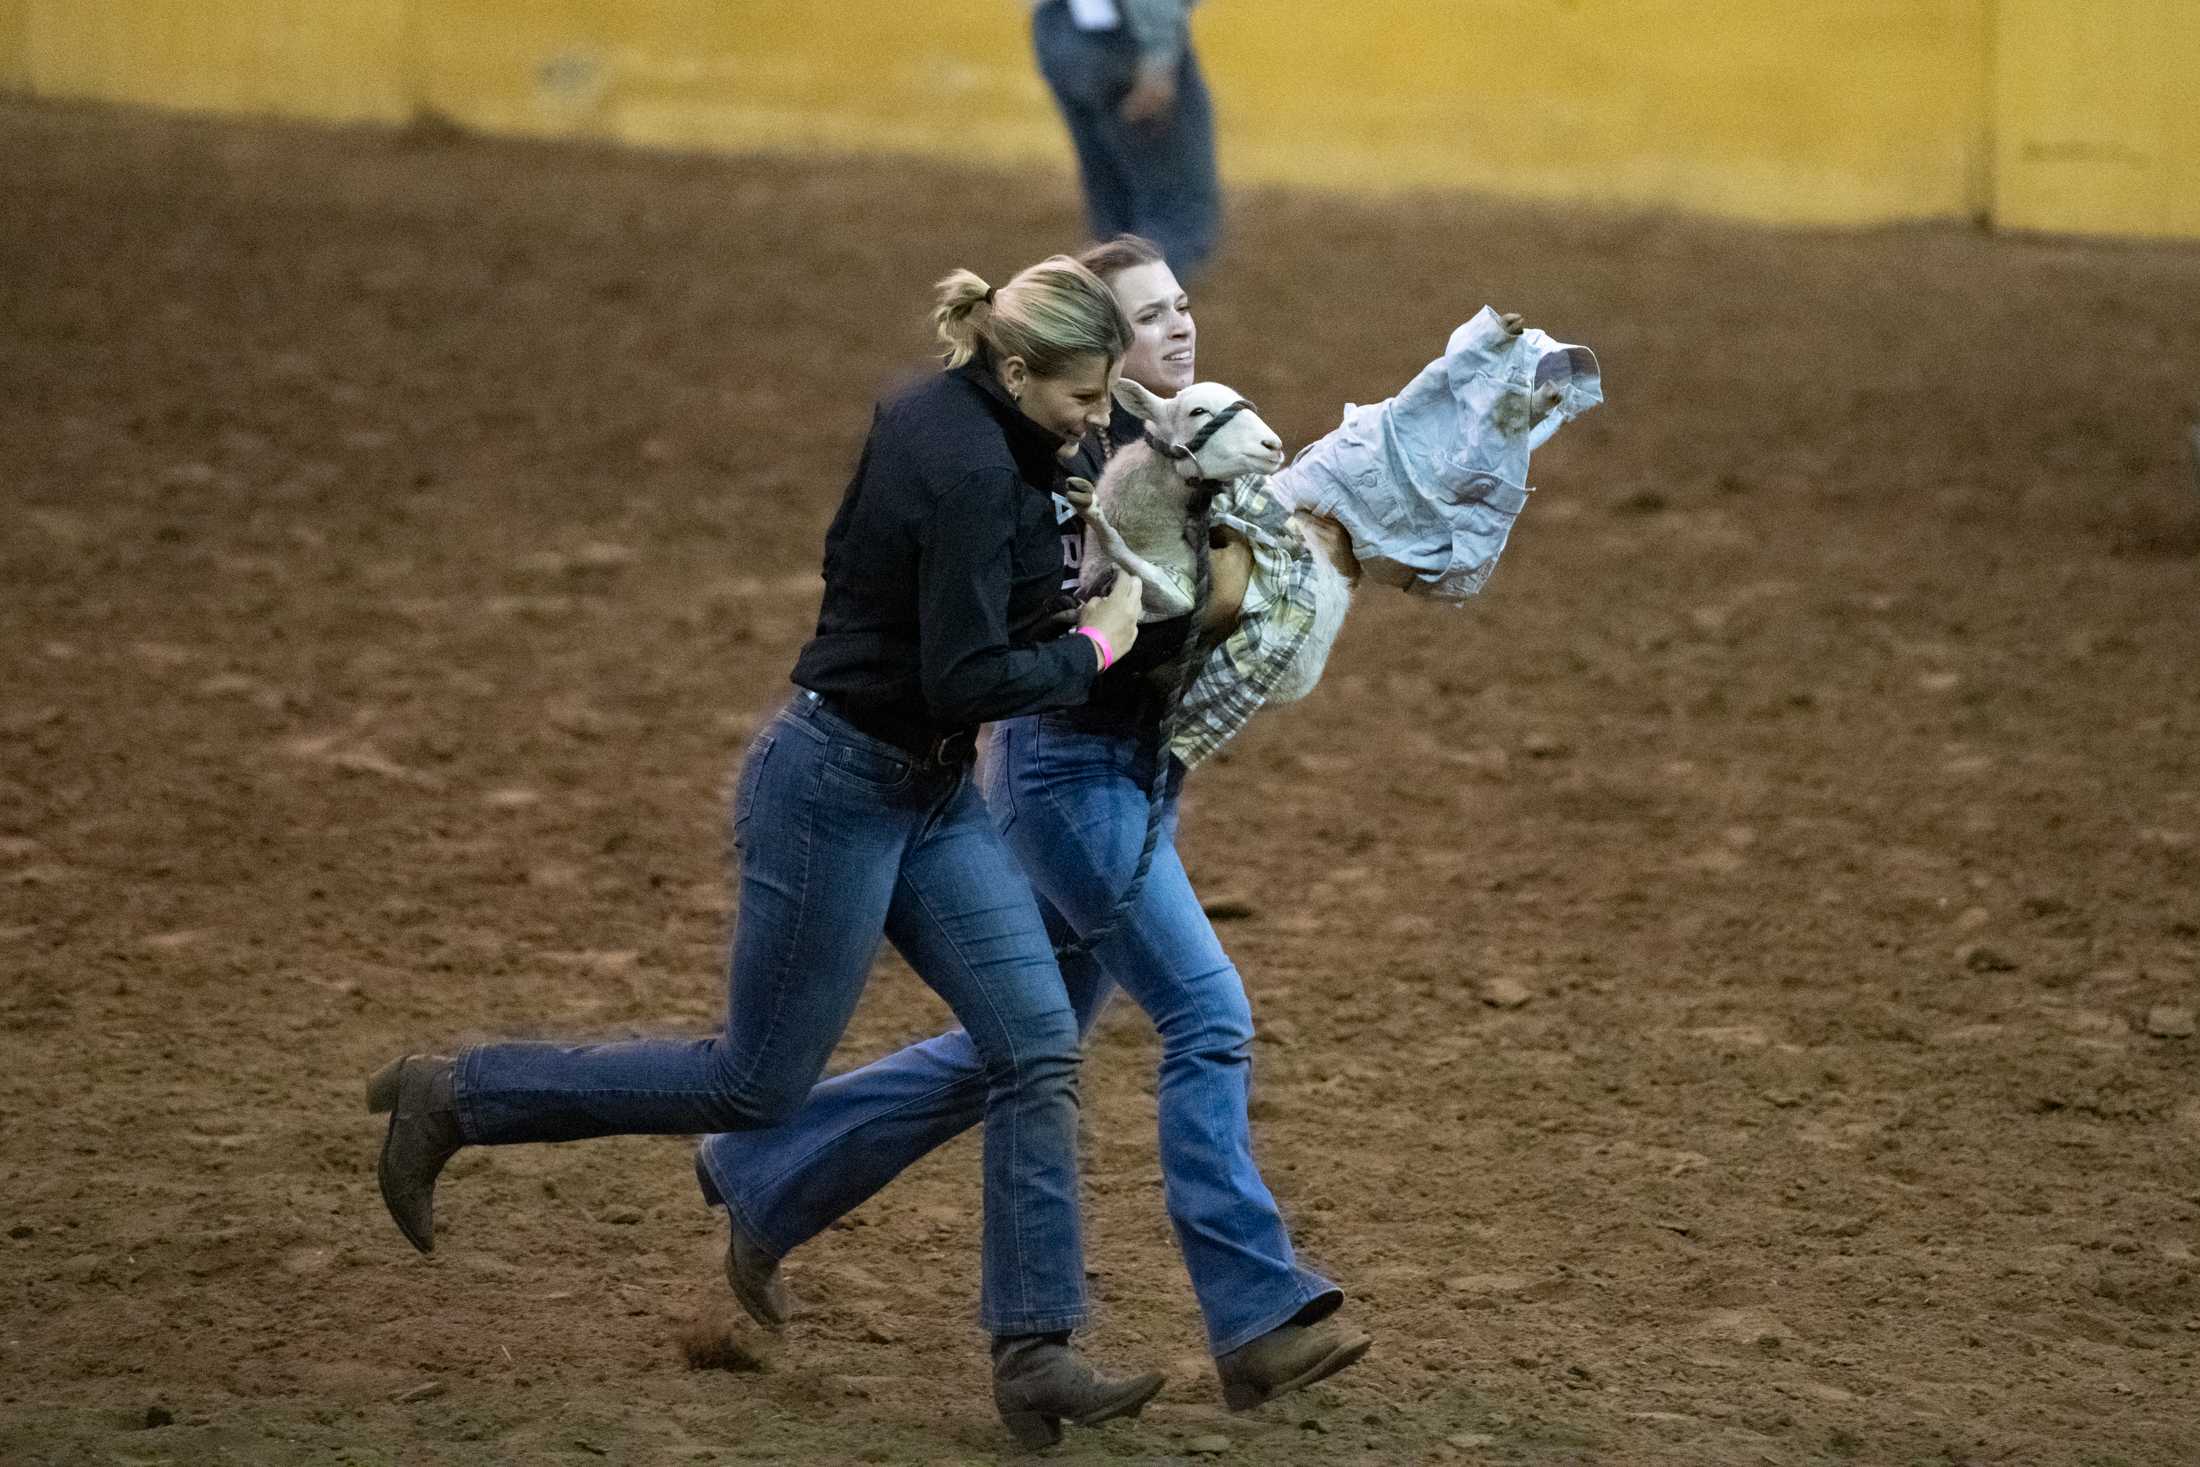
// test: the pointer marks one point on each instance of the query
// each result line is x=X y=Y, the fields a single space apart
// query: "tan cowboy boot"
x=1039 y=1382
x=423 y=1134
x=1284 y=1359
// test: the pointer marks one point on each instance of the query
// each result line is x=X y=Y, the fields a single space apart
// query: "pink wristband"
x=1100 y=640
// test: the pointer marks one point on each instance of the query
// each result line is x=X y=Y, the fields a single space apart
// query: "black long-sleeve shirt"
x=943 y=566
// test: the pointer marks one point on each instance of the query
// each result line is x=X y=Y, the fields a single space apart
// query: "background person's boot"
x=423 y=1134
x=1039 y=1382
x=1284 y=1359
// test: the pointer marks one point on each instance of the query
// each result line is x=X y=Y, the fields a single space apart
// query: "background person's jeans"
x=1156 y=179
x=840 y=838
x=1071 y=804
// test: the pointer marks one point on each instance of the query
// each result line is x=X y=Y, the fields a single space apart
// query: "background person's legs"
x=1088 y=76
x=1153 y=178
x=1175 y=196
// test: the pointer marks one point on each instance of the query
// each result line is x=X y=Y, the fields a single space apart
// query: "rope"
x=1183 y=672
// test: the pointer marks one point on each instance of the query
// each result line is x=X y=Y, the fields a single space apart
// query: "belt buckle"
x=942 y=755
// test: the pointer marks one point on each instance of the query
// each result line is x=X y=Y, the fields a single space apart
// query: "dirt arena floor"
x=1726 y=996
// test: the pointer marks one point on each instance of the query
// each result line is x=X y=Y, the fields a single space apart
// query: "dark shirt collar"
x=1124 y=426
x=1036 y=451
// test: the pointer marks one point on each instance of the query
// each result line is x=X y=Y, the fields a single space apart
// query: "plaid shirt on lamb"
x=1273 y=625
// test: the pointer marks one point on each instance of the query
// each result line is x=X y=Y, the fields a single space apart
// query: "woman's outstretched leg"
x=819 y=862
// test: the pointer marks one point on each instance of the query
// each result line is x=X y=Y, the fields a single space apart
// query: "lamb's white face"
x=1244 y=444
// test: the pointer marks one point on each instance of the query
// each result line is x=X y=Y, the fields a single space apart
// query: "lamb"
x=1141 y=516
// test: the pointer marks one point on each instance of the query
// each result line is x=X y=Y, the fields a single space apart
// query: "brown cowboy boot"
x=1039 y=1382
x=423 y=1134
x=1284 y=1359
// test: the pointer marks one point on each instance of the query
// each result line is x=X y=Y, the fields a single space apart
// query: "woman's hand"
x=1229 y=572
x=1115 y=615
x=1230 y=566
x=1331 y=541
x=1152 y=95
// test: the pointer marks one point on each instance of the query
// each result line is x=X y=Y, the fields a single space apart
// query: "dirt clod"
x=713 y=1344
x=1981 y=957
x=1505 y=993
x=2170 y=1021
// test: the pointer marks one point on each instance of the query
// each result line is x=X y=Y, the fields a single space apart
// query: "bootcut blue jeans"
x=842 y=838
x=1070 y=801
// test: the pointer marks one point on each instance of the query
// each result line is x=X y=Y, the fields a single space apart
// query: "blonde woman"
x=856 y=817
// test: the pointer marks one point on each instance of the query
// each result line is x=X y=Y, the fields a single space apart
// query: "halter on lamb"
x=1148 y=514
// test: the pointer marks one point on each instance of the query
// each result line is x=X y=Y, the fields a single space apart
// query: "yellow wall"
x=947 y=76
x=1807 y=111
x=343 y=61
x=2097 y=126
x=15 y=71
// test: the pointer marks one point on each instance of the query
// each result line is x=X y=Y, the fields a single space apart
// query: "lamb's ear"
x=1137 y=400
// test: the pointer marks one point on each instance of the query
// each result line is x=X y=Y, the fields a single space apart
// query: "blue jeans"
x=1157 y=178
x=1070 y=803
x=841 y=837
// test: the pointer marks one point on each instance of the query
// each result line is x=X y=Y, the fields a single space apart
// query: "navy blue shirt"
x=943 y=566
